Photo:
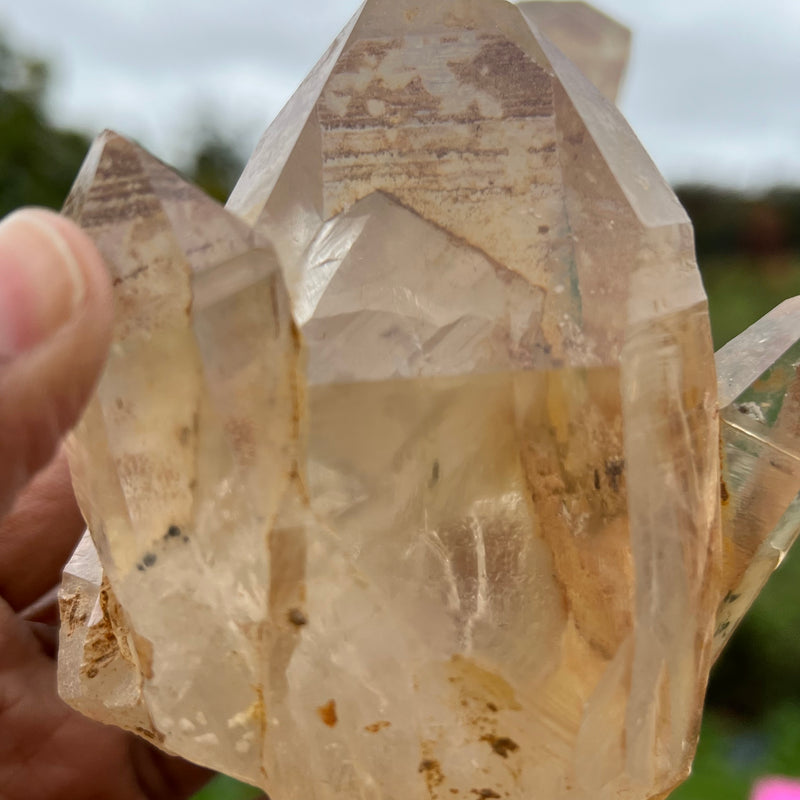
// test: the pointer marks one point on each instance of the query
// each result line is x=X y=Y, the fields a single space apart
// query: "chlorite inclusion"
x=425 y=501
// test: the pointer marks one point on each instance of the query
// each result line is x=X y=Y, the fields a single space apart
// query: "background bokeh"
x=748 y=245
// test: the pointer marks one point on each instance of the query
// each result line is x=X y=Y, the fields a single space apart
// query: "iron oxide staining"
x=431 y=771
x=377 y=727
x=327 y=714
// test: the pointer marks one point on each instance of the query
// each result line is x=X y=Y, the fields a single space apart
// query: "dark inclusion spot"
x=297 y=617
x=173 y=532
x=428 y=764
x=597 y=480
x=614 y=469
x=486 y=793
x=434 y=474
x=501 y=745
x=149 y=559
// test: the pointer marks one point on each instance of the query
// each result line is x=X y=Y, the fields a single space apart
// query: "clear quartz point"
x=759 y=397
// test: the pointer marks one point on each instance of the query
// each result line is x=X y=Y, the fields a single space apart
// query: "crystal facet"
x=466 y=538
x=598 y=45
x=759 y=398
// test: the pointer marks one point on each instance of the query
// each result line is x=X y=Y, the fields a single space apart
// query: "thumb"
x=55 y=328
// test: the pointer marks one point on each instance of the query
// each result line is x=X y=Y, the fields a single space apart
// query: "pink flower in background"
x=776 y=789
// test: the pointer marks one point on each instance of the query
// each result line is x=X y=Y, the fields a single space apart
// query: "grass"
x=742 y=289
x=223 y=788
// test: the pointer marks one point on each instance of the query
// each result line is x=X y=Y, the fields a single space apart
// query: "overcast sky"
x=713 y=88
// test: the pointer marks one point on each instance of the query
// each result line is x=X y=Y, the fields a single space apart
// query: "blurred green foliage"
x=39 y=160
x=731 y=757
x=224 y=788
x=748 y=248
x=749 y=252
x=728 y=223
x=742 y=288
x=216 y=165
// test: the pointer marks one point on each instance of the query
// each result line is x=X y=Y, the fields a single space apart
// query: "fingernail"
x=41 y=281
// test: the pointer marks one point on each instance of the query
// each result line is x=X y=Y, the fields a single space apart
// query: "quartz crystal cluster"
x=403 y=479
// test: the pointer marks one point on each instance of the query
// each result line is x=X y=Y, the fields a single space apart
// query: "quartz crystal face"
x=466 y=538
x=759 y=398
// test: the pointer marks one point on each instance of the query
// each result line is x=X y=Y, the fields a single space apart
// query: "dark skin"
x=49 y=365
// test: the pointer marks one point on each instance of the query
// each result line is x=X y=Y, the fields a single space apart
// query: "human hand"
x=55 y=327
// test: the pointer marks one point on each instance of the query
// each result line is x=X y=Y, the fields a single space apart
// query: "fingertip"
x=98 y=295
x=55 y=327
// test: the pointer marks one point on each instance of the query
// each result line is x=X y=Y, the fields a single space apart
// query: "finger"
x=46 y=636
x=48 y=750
x=44 y=610
x=38 y=536
x=99 y=761
x=55 y=321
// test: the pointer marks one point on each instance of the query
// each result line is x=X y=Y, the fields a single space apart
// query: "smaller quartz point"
x=759 y=398
x=98 y=672
x=374 y=309
x=597 y=44
x=185 y=454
